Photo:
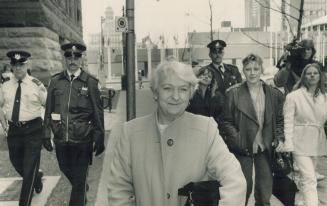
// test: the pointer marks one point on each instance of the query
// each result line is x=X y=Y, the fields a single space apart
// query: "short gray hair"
x=173 y=67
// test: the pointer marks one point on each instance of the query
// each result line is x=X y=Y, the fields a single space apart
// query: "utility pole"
x=298 y=35
x=101 y=73
x=130 y=72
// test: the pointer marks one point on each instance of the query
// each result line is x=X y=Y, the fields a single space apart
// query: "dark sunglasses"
x=71 y=54
x=217 y=50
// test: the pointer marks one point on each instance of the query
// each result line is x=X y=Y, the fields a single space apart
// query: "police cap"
x=73 y=49
x=18 y=57
x=216 y=45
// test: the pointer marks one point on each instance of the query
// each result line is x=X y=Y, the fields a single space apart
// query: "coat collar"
x=82 y=76
x=248 y=108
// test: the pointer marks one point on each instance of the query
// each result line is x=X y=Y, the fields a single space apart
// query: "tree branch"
x=267 y=7
x=258 y=42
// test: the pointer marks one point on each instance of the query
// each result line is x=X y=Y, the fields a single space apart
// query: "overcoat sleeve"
x=120 y=184
x=98 y=117
x=289 y=112
x=223 y=166
x=48 y=111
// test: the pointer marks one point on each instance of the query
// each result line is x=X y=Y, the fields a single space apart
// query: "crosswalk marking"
x=49 y=182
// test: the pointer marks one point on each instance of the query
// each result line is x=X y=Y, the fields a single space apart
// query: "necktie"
x=220 y=68
x=15 y=110
x=72 y=77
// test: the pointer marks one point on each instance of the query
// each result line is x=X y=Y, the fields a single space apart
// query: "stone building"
x=39 y=27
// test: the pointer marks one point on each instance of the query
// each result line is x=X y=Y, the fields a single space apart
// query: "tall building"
x=257 y=14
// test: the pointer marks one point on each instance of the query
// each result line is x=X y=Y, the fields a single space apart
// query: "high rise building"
x=257 y=14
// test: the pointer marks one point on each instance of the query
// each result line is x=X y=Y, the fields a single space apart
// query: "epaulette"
x=234 y=86
x=36 y=81
x=92 y=76
x=56 y=74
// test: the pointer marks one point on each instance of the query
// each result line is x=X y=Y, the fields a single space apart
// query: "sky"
x=166 y=17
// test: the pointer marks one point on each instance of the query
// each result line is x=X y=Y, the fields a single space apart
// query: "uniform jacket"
x=304 y=122
x=240 y=123
x=207 y=106
x=231 y=76
x=74 y=111
x=146 y=171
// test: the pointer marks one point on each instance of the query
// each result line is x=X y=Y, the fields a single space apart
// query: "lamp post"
x=130 y=43
x=101 y=74
x=148 y=49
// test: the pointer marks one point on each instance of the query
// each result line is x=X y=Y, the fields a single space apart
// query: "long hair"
x=213 y=86
x=304 y=83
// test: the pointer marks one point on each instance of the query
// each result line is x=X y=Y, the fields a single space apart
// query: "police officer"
x=23 y=98
x=74 y=113
x=226 y=75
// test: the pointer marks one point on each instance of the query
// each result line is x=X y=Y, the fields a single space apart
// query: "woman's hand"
x=286 y=146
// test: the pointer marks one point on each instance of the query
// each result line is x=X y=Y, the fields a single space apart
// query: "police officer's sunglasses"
x=72 y=54
x=218 y=50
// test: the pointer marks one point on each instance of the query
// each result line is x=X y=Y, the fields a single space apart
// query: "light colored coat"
x=304 y=120
x=146 y=171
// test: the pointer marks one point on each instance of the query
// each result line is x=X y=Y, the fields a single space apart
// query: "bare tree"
x=264 y=4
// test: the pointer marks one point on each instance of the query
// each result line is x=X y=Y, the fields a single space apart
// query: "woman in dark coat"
x=207 y=100
x=253 y=113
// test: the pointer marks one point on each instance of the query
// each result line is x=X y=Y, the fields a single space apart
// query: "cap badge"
x=74 y=48
x=17 y=56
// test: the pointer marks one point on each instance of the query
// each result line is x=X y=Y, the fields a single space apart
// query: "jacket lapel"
x=268 y=104
x=245 y=104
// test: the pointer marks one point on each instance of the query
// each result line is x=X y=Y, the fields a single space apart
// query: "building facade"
x=39 y=27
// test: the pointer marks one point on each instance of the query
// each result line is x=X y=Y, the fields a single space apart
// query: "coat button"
x=170 y=142
x=168 y=196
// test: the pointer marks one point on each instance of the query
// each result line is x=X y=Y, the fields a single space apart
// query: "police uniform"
x=25 y=126
x=74 y=114
x=226 y=75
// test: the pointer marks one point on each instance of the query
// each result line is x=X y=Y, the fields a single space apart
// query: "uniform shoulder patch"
x=36 y=81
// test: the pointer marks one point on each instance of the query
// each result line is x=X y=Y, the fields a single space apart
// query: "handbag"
x=284 y=189
x=204 y=193
x=282 y=163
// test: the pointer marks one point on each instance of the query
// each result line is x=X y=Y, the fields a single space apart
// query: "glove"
x=98 y=147
x=47 y=144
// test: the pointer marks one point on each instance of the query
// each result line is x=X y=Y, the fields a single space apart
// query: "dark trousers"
x=24 y=144
x=263 y=177
x=74 y=160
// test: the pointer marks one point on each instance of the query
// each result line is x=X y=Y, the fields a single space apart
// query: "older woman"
x=305 y=113
x=252 y=116
x=160 y=153
x=207 y=100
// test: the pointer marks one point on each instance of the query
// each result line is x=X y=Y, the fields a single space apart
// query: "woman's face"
x=307 y=53
x=205 y=78
x=173 y=95
x=252 y=72
x=312 y=76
